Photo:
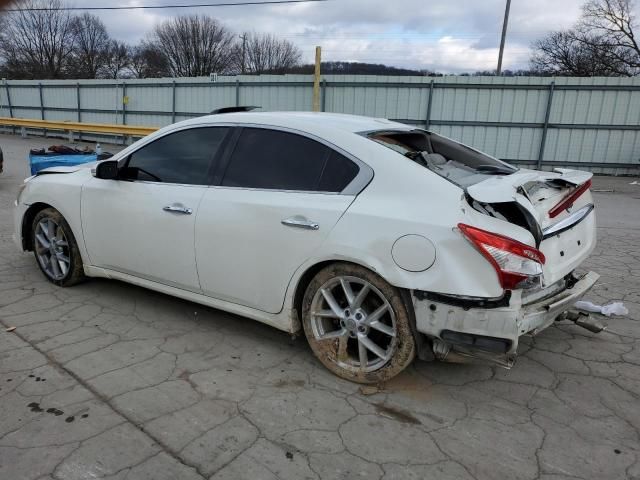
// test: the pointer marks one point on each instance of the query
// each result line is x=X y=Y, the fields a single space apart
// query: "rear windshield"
x=454 y=161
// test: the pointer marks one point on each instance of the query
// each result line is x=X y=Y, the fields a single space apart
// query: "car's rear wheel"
x=56 y=249
x=357 y=324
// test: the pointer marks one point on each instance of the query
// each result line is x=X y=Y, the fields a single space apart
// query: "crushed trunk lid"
x=534 y=191
x=526 y=197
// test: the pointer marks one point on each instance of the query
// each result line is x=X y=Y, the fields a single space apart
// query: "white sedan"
x=379 y=240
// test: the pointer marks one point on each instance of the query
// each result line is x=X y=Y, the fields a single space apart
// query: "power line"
x=150 y=7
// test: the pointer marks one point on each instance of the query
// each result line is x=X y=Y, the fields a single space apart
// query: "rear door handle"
x=300 y=222
x=178 y=209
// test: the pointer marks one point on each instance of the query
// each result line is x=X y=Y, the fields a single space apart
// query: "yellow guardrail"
x=79 y=127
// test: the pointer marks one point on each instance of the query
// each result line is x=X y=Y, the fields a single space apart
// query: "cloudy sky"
x=442 y=35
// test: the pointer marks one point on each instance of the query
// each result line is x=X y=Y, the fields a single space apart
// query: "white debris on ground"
x=613 y=308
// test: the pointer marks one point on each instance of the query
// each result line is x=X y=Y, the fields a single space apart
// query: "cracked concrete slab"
x=221 y=445
x=343 y=466
x=264 y=459
x=107 y=453
x=182 y=427
x=108 y=380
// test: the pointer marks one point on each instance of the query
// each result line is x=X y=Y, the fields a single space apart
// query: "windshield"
x=454 y=161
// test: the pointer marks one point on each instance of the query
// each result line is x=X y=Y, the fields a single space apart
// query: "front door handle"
x=300 y=222
x=178 y=209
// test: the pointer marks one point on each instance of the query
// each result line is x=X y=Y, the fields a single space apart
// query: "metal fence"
x=591 y=123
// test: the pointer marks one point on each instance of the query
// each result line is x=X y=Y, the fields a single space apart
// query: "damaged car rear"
x=528 y=230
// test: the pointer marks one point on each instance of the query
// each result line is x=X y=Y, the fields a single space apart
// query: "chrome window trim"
x=279 y=190
x=166 y=184
x=569 y=222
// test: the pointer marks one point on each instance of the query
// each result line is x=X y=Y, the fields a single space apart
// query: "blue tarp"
x=38 y=162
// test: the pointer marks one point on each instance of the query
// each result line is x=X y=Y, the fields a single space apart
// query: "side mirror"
x=107 y=170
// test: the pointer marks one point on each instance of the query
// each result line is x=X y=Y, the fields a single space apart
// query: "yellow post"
x=316 y=81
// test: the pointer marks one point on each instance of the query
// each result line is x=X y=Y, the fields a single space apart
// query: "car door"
x=280 y=194
x=143 y=223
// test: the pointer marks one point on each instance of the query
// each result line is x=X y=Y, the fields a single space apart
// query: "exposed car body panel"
x=566 y=250
x=503 y=189
x=508 y=322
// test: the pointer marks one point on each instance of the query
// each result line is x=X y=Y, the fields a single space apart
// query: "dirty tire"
x=342 y=356
x=75 y=271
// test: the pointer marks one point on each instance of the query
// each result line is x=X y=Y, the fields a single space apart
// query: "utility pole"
x=504 y=36
x=244 y=51
x=316 y=80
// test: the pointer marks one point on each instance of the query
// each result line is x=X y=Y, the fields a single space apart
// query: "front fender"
x=43 y=192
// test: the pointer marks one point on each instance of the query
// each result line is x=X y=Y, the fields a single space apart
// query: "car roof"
x=304 y=121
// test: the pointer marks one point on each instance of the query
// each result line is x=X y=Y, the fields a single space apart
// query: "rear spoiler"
x=568 y=201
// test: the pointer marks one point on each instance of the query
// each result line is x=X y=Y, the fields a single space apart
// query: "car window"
x=454 y=161
x=276 y=160
x=182 y=157
x=338 y=173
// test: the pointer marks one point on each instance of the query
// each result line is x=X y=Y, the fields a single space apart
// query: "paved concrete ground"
x=107 y=380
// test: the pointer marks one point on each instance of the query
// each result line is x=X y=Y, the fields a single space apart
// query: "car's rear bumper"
x=540 y=315
x=492 y=331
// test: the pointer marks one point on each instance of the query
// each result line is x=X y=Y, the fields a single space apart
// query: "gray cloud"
x=444 y=35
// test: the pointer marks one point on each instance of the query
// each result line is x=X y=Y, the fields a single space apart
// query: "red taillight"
x=569 y=200
x=515 y=263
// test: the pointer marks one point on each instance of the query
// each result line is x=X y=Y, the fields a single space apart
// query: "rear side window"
x=276 y=160
x=183 y=157
x=458 y=163
x=338 y=173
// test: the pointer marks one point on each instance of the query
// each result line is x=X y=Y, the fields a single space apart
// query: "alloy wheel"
x=359 y=321
x=52 y=249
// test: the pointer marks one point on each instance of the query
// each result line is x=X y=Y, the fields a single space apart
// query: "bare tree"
x=43 y=40
x=37 y=43
x=195 y=45
x=602 y=42
x=117 y=62
x=91 y=50
x=260 y=53
x=574 y=53
x=614 y=22
x=147 y=61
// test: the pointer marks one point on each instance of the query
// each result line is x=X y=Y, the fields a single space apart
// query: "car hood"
x=67 y=169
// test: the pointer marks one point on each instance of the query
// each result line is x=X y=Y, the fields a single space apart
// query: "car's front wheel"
x=56 y=249
x=357 y=324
